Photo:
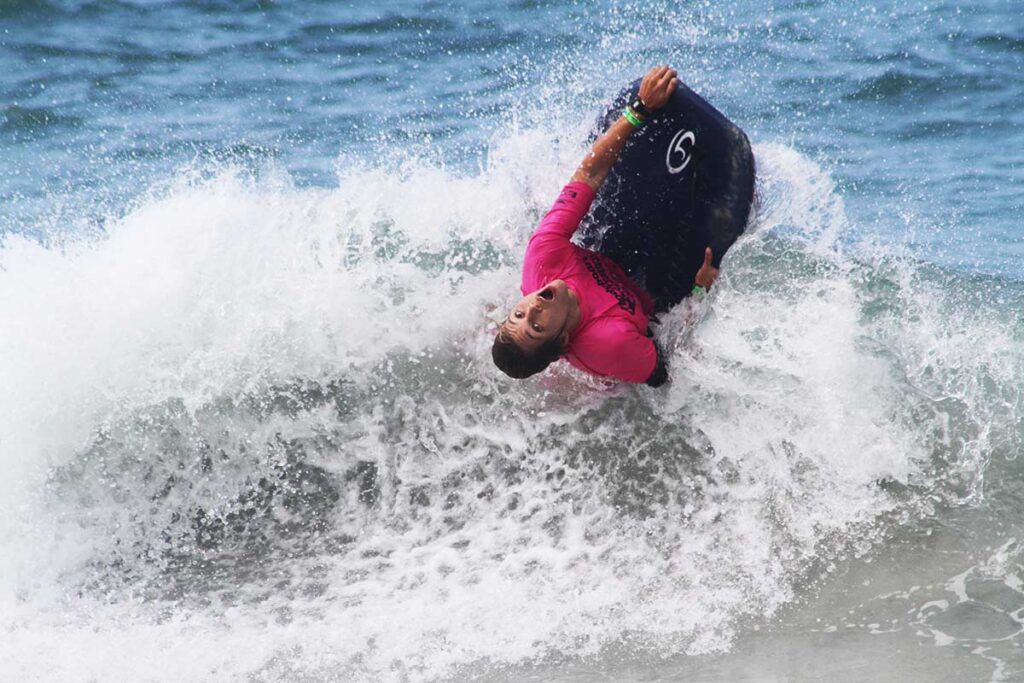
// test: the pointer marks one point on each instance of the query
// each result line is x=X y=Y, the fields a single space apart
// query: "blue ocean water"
x=248 y=255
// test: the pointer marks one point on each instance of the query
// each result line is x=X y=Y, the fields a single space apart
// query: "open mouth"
x=547 y=294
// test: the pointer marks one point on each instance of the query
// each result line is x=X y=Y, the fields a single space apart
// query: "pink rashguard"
x=611 y=338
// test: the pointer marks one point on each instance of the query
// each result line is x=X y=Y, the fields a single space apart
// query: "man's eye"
x=518 y=314
x=537 y=328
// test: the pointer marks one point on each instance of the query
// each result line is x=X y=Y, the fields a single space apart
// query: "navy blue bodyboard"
x=684 y=181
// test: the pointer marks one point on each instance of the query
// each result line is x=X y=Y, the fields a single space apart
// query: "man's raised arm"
x=655 y=90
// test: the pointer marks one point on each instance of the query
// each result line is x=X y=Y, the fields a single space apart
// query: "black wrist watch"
x=639 y=107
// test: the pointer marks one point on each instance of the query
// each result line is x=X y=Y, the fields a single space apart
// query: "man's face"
x=539 y=316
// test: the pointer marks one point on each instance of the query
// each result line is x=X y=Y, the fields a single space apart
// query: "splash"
x=254 y=430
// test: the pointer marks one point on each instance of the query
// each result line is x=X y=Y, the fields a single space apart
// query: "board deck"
x=684 y=181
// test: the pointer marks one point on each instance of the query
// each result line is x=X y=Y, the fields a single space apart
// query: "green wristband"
x=698 y=290
x=632 y=118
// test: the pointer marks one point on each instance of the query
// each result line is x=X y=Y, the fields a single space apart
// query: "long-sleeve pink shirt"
x=611 y=338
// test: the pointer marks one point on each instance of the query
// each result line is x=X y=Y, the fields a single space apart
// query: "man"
x=580 y=304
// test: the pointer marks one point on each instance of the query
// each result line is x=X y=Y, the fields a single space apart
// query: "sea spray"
x=262 y=411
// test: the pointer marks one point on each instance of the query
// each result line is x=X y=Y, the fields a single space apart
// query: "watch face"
x=638 y=106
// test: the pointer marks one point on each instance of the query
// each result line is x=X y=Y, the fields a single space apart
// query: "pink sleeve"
x=549 y=245
x=569 y=209
x=616 y=348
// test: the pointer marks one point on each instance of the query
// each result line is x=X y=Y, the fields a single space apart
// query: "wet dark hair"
x=520 y=364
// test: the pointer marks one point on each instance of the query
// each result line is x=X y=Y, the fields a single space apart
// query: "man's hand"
x=658 y=86
x=706 y=275
x=655 y=89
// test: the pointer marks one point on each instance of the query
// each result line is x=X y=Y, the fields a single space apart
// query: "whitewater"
x=254 y=429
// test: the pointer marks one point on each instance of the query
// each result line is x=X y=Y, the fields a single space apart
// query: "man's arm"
x=655 y=90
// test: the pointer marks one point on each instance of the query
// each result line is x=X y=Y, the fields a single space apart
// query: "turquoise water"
x=249 y=254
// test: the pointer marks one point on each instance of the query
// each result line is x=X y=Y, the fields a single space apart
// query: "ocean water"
x=250 y=257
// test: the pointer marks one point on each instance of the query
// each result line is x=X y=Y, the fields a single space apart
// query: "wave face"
x=250 y=263
x=257 y=424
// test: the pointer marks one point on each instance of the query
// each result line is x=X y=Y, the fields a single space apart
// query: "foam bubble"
x=256 y=431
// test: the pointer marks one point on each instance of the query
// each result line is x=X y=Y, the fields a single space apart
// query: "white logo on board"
x=678 y=155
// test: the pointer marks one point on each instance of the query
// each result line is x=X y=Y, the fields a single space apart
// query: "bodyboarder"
x=583 y=305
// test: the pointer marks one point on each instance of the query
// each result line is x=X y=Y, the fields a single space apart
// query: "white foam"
x=781 y=417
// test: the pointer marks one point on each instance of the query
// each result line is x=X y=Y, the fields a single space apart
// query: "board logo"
x=678 y=155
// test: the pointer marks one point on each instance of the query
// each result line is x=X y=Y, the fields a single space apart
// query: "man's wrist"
x=635 y=119
x=638 y=106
